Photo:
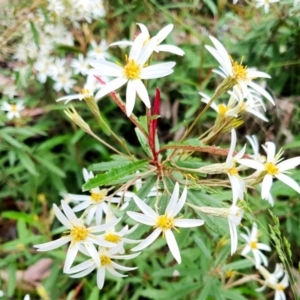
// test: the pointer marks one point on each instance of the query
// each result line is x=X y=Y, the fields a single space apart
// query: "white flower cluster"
x=101 y=243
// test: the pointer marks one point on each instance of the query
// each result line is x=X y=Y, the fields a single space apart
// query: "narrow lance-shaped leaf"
x=114 y=174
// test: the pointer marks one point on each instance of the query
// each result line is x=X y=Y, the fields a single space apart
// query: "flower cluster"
x=94 y=236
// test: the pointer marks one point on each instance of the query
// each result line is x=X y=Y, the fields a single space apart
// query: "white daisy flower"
x=43 y=67
x=240 y=73
x=105 y=263
x=223 y=110
x=95 y=203
x=80 y=65
x=161 y=35
x=79 y=235
x=90 y=87
x=64 y=81
x=13 y=110
x=271 y=281
x=235 y=216
x=164 y=223
x=273 y=167
x=251 y=105
x=132 y=73
x=255 y=247
x=265 y=4
x=118 y=237
x=99 y=51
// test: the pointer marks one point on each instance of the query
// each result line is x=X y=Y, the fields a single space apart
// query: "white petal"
x=53 y=244
x=271 y=150
x=99 y=213
x=164 y=32
x=229 y=160
x=84 y=273
x=149 y=240
x=173 y=246
x=188 y=223
x=262 y=246
x=105 y=68
x=246 y=250
x=259 y=89
x=180 y=203
x=289 y=181
x=61 y=217
x=254 y=232
x=110 y=87
x=137 y=46
x=93 y=253
x=84 y=265
x=100 y=277
x=130 y=96
x=289 y=164
x=122 y=268
x=114 y=272
x=105 y=226
x=157 y=71
x=169 y=48
x=82 y=206
x=121 y=43
x=127 y=256
x=69 y=213
x=173 y=201
x=79 y=198
x=141 y=218
x=147 y=210
x=71 y=254
x=266 y=186
x=233 y=236
x=147 y=51
x=91 y=214
x=251 y=163
x=142 y=92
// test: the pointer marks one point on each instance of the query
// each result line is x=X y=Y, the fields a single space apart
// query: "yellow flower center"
x=132 y=70
x=165 y=222
x=279 y=287
x=85 y=92
x=105 y=260
x=222 y=109
x=13 y=107
x=233 y=171
x=98 y=197
x=239 y=71
x=113 y=238
x=79 y=233
x=253 y=245
x=271 y=169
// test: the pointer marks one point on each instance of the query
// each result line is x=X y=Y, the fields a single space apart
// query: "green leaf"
x=146 y=187
x=104 y=166
x=35 y=33
x=238 y=265
x=19 y=216
x=94 y=295
x=12 y=282
x=50 y=166
x=114 y=174
x=204 y=250
x=27 y=162
x=10 y=140
x=143 y=141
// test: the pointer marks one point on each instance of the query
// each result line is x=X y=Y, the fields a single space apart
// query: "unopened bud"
x=75 y=117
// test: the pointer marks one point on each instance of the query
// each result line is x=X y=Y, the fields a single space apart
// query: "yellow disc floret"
x=113 y=238
x=13 y=107
x=79 y=233
x=222 y=109
x=105 y=260
x=253 y=245
x=233 y=171
x=132 y=70
x=99 y=196
x=239 y=71
x=165 y=222
x=271 y=168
